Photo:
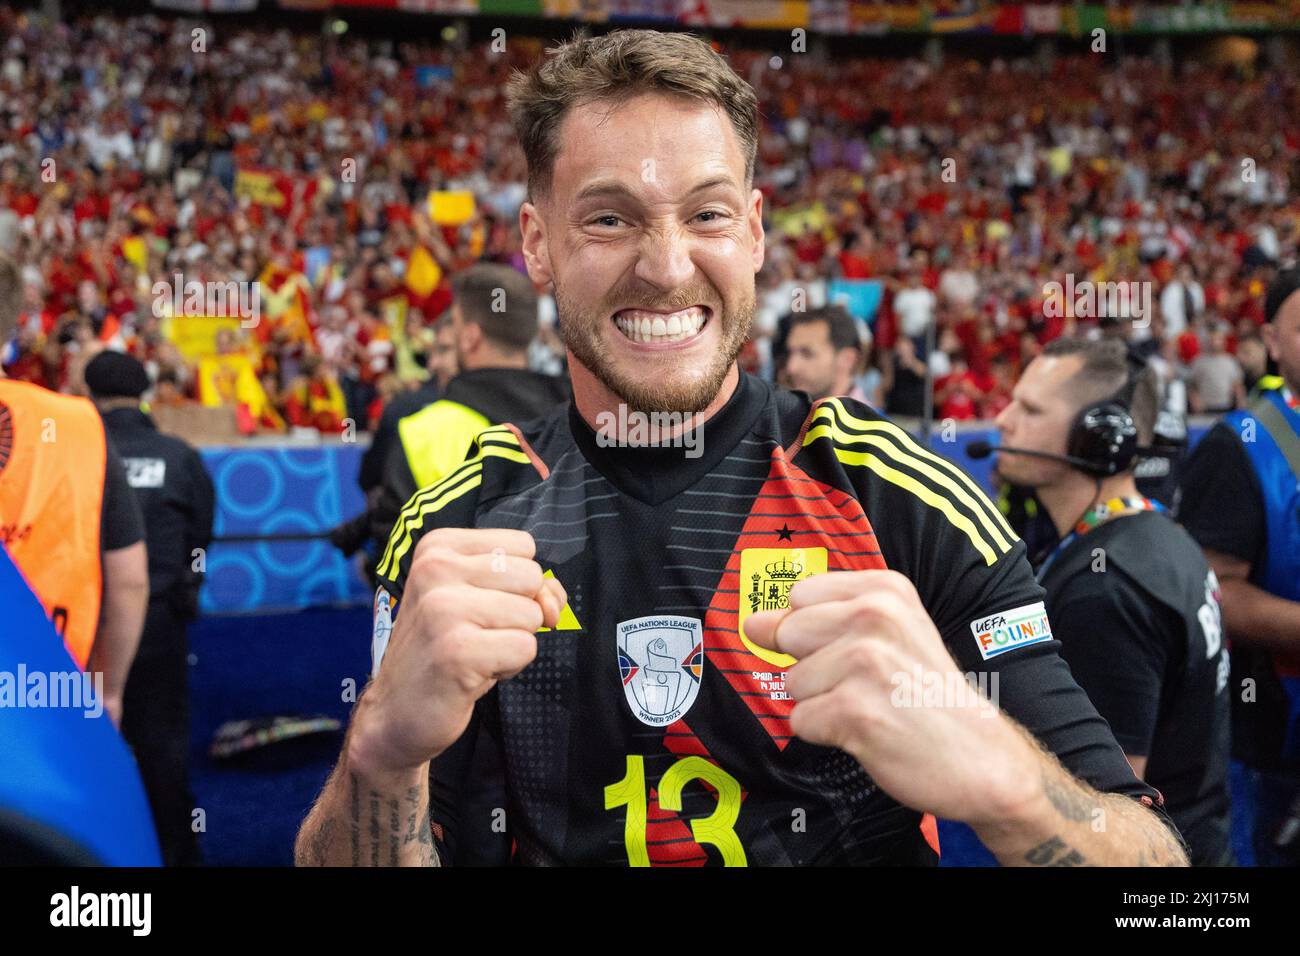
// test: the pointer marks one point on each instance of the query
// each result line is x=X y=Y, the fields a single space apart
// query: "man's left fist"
x=858 y=637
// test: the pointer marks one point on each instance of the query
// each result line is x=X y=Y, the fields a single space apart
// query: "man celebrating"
x=640 y=149
x=1129 y=594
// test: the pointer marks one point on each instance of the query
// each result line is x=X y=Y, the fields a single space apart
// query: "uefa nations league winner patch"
x=661 y=662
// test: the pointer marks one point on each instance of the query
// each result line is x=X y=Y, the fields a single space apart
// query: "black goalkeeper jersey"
x=647 y=731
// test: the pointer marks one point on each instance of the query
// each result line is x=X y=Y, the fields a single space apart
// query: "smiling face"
x=652 y=241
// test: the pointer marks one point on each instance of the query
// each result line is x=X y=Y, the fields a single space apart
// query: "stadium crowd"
x=151 y=150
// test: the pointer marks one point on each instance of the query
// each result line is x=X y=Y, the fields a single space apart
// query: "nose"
x=1003 y=420
x=665 y=259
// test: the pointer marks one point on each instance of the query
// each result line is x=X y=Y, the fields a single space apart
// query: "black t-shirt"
x=121 y=523
x=1136 y=610
x=166 y=477
x=646 y=729
x=1219 y=500
x=907 y=396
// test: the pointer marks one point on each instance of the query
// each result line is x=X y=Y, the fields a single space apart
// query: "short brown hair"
x=501 y=301
x=841 y=328
x=619 y=66
x=1105 y=374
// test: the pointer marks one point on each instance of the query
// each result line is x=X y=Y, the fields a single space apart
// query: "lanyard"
x=1096 y=515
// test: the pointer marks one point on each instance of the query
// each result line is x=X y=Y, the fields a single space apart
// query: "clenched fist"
x=473 y=602
x=857 y=635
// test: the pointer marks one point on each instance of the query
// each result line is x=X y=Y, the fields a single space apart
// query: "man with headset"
x=1128 y=591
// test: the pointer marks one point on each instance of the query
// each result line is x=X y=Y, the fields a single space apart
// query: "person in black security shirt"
x=1129 y=593
x=493 y=318
x=1240 y=498
x=618 y=604
x=176 y=496
x=442 y=367
x=355 y=533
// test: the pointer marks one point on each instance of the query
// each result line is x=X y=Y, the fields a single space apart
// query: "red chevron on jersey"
x=794 y=511
x=668 y=838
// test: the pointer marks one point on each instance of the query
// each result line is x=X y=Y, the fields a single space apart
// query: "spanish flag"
x=232 y=380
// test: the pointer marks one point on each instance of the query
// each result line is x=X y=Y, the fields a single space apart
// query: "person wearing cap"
x=68 y=518
x=177 y=500
x=1240 y=498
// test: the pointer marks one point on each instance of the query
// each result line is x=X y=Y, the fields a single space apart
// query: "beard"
x=660 y=384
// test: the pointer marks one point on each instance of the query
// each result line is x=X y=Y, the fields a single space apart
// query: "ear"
x=1268 y=332
x=537 y=258
x=469 y=336
x=756 y=228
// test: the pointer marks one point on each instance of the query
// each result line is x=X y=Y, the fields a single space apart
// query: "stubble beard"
x=653 y=391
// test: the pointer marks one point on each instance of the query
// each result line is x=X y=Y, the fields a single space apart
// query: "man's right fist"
x=473 y=601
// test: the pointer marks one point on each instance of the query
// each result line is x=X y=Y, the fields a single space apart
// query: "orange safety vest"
x=52 y=458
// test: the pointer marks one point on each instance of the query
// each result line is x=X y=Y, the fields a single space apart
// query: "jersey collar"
x=656 y=474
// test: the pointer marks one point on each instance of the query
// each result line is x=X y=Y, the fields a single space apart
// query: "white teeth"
x=656 y=328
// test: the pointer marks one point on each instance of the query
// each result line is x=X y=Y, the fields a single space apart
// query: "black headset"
x=1103 y=438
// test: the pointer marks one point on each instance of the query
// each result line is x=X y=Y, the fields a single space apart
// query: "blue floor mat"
x=257 y=666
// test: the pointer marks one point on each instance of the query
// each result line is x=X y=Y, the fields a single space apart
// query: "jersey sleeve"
x=1219 y=501
x=1115 y=640
x=466 y=789
x=449 y=503
x=394 y=491
x=936 y=526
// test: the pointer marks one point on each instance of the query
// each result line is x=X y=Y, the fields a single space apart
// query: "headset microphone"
x=982 y=449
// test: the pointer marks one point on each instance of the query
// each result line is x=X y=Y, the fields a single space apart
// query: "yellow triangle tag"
x=568 y=620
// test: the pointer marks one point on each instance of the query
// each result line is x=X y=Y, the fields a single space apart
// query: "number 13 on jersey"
x=717 y=829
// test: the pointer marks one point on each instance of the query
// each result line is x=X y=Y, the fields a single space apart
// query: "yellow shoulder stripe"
x=430 y=500
x=412 y=506
x=989 y=542
x=841 y=438
x=906 y=441
x=399 y=542
x=959 y=520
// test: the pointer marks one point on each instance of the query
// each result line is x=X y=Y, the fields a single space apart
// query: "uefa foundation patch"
x=1010 y=630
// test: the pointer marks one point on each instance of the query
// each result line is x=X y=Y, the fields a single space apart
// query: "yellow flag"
x=135 y=252
x=451 y=208
x=231 y=379
x=422 y=272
